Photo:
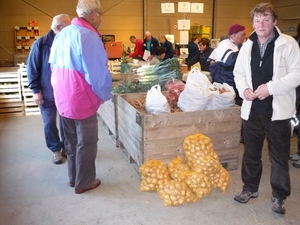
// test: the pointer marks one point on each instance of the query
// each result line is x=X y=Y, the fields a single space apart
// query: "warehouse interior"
x=35 y=191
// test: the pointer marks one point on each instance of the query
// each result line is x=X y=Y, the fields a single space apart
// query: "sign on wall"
x=184 y=37
x=167 y=8
x=184 y=7
x=197 y=7
x=184 y=24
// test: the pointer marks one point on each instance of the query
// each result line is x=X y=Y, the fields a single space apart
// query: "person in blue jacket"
x=226 y=55
x=39 y=74
x=167 y=45
x=150 y=44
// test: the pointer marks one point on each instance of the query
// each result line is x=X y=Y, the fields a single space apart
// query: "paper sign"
x=184 y=7
x=197 y=7
x=146 y=55
x=167 y=8
x=184 y=37
x=170 y=38
x=184 y=24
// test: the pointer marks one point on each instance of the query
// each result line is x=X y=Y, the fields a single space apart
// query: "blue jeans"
x=278 y=134
x=49 y=115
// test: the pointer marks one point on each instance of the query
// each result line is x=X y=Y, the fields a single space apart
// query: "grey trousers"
x=81 y=137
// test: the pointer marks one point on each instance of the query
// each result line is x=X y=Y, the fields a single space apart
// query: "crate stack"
x=114 y=66
x=11 y=103
x=30 y=107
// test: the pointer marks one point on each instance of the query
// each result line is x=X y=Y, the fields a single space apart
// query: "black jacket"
x=202 y=58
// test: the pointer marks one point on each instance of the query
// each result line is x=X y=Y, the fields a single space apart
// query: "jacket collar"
x=84 y=23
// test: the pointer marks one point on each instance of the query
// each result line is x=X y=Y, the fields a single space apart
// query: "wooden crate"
x=30 y=107
x=148 y=136
x=10 y=88
x=12 y=108
x=108 y=111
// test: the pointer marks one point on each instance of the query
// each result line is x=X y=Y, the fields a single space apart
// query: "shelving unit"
x=30 y=107
x=24 y=38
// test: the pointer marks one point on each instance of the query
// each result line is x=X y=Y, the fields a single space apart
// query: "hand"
x=249 y=94
x=150 y=57
x=38 y=98
x=262 y=92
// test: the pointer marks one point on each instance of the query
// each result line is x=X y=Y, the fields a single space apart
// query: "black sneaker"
x=278 y=205
x=244 y=196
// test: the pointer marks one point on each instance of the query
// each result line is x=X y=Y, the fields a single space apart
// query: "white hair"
x=61 y=19
x=85 y=7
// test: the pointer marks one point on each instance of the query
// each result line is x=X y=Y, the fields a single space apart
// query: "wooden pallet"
x=10 y=89
x=10 y=109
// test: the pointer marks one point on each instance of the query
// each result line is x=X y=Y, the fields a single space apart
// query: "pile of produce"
x=140 y=105
x=175 y=192
x=153 y=173
x=186 y=180
x=142 y=78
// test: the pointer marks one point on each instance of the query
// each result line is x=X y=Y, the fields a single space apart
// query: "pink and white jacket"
x=80 y=78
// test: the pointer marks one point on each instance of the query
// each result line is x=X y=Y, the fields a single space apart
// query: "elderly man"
x=150 y=44
x=266 y=73
x=39 y=74
x=226 y=54
x=81 y=82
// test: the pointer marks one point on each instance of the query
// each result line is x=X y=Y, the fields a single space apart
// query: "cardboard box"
x=148 y=136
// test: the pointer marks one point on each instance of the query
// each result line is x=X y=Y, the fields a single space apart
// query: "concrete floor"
x=35 y=191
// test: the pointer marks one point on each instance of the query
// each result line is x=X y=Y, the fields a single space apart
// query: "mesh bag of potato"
x=177 y=167
x=199 y=183
x=153 y=173
x=203 y=160
x=192 y=180
x=175 y=192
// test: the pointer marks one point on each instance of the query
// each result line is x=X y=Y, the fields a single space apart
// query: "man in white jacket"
x=266 y=73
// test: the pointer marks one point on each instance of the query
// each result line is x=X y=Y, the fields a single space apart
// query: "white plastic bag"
x=196 y=94
x=223 y=96
x=156 y=102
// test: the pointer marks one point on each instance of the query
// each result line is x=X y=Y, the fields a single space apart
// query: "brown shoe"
x=72 y=184
x=97 y=183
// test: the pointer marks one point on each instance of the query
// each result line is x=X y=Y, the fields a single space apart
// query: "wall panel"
x=133 y=17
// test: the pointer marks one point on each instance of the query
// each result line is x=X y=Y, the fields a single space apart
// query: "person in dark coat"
x=297 y=37
x=193 y=47
x=150 y=44
x=39 y=74
x=202 y=55
x=167 y=45
x=296 y=156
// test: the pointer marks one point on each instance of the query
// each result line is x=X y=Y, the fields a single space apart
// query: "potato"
x=153 y=173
